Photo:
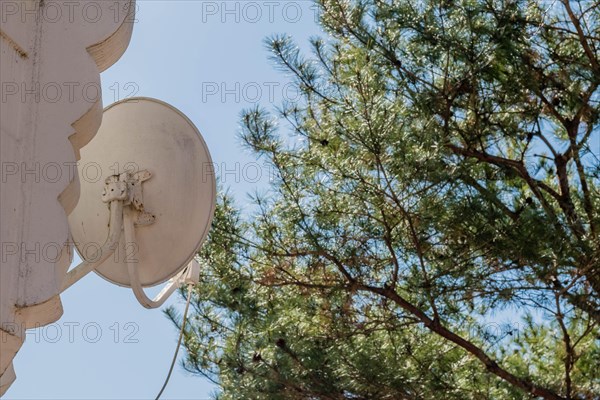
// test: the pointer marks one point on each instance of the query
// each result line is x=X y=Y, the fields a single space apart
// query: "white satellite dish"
x=147 y=198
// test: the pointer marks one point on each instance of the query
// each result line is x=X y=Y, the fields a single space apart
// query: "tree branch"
x=435 y=326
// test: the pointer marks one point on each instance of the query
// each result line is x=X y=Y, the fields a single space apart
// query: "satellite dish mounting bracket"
x=127 y=187
x=124 y=195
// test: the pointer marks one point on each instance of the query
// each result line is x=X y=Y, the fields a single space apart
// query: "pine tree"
x=439 y=175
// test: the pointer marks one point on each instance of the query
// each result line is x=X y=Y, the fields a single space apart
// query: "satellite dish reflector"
x=147 y=173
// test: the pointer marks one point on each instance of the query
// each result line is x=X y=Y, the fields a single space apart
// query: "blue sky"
x=206 y=58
